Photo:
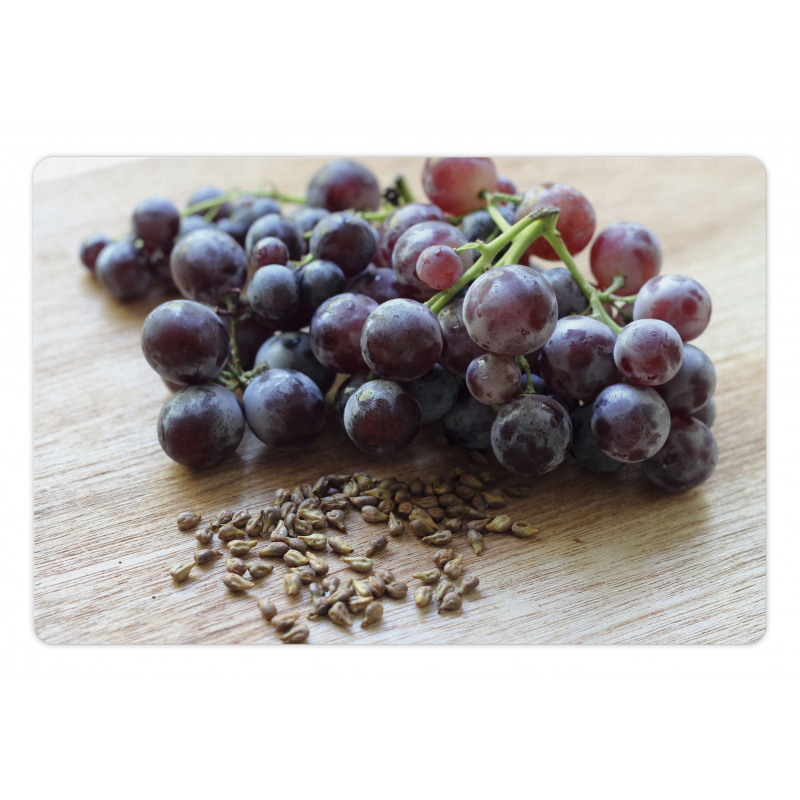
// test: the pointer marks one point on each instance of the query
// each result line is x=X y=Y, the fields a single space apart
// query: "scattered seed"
x=443 y=588
x=523 y=530
x=236 y=583
x=316 y=541
x=274 y=550
x=206 y=555
x=378 y=585
x=455 y=568
x=358 y=563
x=499 y=524
x=477 y=524
x=335 y=517
x=423 y=596
x=206 y=535
x=319 y=565
x=314 y=516
x=294 y=558
x=292 y=583
x=284 y=621
x=297 y=634
x=377 y=545
x=372 y=514
x=236 y=565
x=340 y=546
x=180 y=572
x=518 y=490
x=241 y=547
x=395 y=526
x=339 y=614
x=429 y=576
x=228 y=533
x=267 y=608
x=221 y=518
x=302 y=528
x=441 y=557
x=397 y=590
x=356 y=604
x=344 y=590
x=476 y=541
x=188 y=520
x=259 y=569
x=280 y=532
x=330 y=584
x=438 y=539
x=240 y=519
x=450 y=602
x=386 y=575
x=469 y=584
x=297 y=544
x=373 y=614
x=362 y=588
x=307 y=575
x=255 y=525
x=404 y=509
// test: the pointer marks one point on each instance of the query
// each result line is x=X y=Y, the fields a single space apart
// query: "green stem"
x=502 y=223
x=403 y=190
x=231 y=304
x=526 y=368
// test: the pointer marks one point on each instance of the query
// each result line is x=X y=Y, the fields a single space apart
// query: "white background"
x=89 y=78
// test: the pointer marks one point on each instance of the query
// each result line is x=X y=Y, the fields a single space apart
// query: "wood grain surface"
x=618 y=561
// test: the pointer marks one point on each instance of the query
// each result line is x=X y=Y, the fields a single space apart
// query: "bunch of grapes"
x=434 y=312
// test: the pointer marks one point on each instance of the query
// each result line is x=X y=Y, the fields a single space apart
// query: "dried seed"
x=315 y=541
x=453 y=524
x=292 y=583
x=395 y=525
x=294 y=558
x=344 y=591
x=356 y=604
x=280 y=533
x=404 y=509
x=307 y=575
x=350 y=488
x=206 y=555
x=335 y=518
x=377 y=545
x=397 y=590
x=402 y=495
x=494 y=501
x=330 y=584
x=488 y=478
x=477 y=524
x=188 y=520
x=319 y=565
x=428 y=501
x=255 y=525
x=477 y=457
x=361 y=501
x=480 y=502
x=457 y=509
x=363 y=589
x=259 y=569
x=438 y=539
x=288 y=521
x=236 y=583
x=228 y=533
x=302 y=527
x=518 y=490
x=340 y=614
x=281 y=496
x=287 y=508
x=340 y=546
x=373 y=614
x=469 y=584
x=523 y=530
x=240 y=519
x=475 y=513
x=180 y=572
x=206 y=535
x=455 y=568
x=297 y=634
x=358 y=563
x=284 y=621
x=499 y=524
x=476 y=541
x=297 y=544
x=416 y=487
x=372 y=514
x=448 y=499
x=380 y=493
x=241 y=547
x=320 y=485
x=450 y=602
x=363 y=481
x=386 y=575
x=221 y=518
x=274 y=550
x=422 y=528
x=467 y=479
x=314 y=516
x=378 y=585
x=267 y=608
x=423 y=596
x=386 y=506
x=465 y=492
x=236 y=565
x=442 y=589
x=428 y=576
x=441 y=557
x=297 y=496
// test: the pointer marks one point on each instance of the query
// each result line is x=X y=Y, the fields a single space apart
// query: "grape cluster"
x=434 y=312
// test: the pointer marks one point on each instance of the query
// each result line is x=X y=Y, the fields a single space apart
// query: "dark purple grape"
x=292 y=350
x=584 y=448
x=469 y=423
x=199 y=426
x=342 y=395
x=224 y=209
x=401 y=340
x=185 y=342
x=287 y=230
x=510 y=310
x=319 y=281
x=578 y=359
x=693 y=384
x=493 y=379
x=576 y=218
x=156 y=221
x=274 y=292
x=531 y=434
x=455 y=184
x=336 y=329
x=248 y=208
x=648 y=352
x=346 y=239
x=628 y=249
x=687 y=459
x=569 y=296
x=397 y=223
x=458 y=349
x=91 y=247
x=235 y=228
x=707 y=414
x=307 y=217
x=379 y=283
x=284 y=408
x=436 y=392
x=269 y=250
x=676 y=299
x=343 y=184
x=193 y=223
x=479 y=225
x=382 y=417
x=122 y=270
x=630 y=423
x=251 y=333
x=207 y=264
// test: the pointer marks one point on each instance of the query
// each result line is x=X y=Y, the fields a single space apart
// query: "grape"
x=281 y=228
x=269 y=250
x=569 y=296
x=493 y=379
x=379 y=283
x=648 y=352
x=676 y=299
x=91 y=248
x=346 y=239
x=319 y=281
x=576 y=219
x=235 y=228
x=207 y=264
x=210 y=193
x=686 y=460
x=630 y=423
x=382 y=417
x=185 y=342
x=199 y=426
x=439 y=266
x=121 y=268
x=531 y=434
x=584 y=448
x=707 y=414
x=156 y=221
x=343 y=392
x=628 y=249
x=193 y=223
x=336 y=331
x=343 y=184
x=455 y=184
x=510 y=310
x=248 y=208
x=410 y=245
x=397 y=223
x=274 y=292
x=401 y=340
x=307 y=217
x=458 y=349
x=436 y=392
x=479 y=225
x=292 y=350
x=469 y=423
x=505 y=185
x=693 y=384
x=251 y=333
x=284 y=408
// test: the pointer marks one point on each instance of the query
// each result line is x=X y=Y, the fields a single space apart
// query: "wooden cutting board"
x=617 y=561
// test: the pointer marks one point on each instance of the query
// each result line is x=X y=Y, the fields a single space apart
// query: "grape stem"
x=526 y=368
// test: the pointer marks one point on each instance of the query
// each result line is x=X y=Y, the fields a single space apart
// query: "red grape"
x=455 y=184
x=493 y=379
x=343 y=184
x=648 y=352
x=628 y=249
x=336 y=331
x=676 y=299
x=439 y=266
x=397 y=223
x=687 y=459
